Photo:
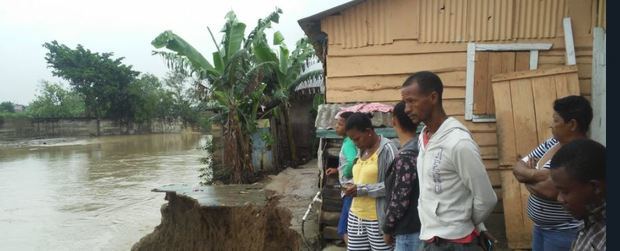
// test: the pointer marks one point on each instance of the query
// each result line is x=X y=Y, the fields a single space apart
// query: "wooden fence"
x=524 y=110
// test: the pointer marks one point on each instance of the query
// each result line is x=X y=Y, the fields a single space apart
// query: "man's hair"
x=577 y=108
x=359 y=121
x=404 y=120
x=582 y=159
x=427 y=81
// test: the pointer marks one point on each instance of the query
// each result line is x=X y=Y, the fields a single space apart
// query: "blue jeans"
x=552 y=240
x=344 y=215
x=407 y=242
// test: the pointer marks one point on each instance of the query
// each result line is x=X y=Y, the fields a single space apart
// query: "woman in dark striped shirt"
x=554 y=227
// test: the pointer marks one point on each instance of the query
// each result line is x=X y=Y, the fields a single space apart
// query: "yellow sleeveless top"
x=365 y=172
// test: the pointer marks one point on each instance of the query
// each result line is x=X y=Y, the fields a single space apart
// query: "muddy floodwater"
x=90 y=194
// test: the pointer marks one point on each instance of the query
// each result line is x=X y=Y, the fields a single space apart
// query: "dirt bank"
x=225 y=218
x=296 y=188
x=238 y=217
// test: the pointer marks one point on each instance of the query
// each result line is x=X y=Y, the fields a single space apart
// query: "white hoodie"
x=455 y=191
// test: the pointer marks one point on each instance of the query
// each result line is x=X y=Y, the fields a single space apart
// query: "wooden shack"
x=369 y=47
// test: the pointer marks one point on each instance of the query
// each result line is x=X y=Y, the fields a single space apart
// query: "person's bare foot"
x=345 y=237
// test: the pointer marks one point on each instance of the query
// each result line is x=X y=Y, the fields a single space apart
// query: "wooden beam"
x=523 y=116
x=394 y=64
x=533 y=59
x=455 y=79
x=568 y=40
x=538 y=73
x=514 y=215
x=544 y=95
x=469 y=81
x=599 y=86
x=513 y=47
x=363 y=94
x=505 y=124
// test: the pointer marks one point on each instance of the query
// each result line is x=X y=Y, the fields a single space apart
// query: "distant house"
x=19 y=108
x=369 y=47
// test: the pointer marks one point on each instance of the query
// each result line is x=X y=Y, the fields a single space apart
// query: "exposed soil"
x=188 y=226
x=199 y=220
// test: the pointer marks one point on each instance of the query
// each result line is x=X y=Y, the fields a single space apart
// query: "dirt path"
x=297 y=187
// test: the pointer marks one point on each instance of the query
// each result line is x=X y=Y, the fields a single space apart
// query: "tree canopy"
x=102 y=80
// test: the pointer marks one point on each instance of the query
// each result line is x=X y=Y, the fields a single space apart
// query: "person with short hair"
x=456 y=195
x=554 y=227
x=401 y=225
x=578 y=173
x=367 y=209
x=347 y=155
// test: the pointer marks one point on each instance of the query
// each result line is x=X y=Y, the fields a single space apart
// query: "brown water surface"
x=90 y=194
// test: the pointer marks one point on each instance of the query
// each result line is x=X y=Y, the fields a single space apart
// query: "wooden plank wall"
x=375 y=73
x=489 y=63
x=523 y=102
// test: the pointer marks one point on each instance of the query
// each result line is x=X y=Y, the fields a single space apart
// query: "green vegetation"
x=104 y=87
x=100 y=79
x=7 y=107
x=246 y=81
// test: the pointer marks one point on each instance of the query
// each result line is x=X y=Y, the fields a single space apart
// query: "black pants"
x=444 y=245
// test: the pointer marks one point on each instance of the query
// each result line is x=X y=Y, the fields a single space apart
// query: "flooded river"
x=91 y=194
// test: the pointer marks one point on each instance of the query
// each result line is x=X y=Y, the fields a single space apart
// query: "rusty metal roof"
x=325 y=118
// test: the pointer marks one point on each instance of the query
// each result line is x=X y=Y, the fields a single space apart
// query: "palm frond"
x=307 y=78
x=263 y=23
x=177 y=44
x=175 y=62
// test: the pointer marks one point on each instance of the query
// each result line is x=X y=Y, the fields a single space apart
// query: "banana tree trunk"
x=276 y=147
x=289 y=135
x=238 y=150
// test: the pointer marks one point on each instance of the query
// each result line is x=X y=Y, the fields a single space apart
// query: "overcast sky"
x=123 y=27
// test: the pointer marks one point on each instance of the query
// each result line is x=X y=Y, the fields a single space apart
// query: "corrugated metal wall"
x=443 y=20
x=368 y=23
x=538 y=19
x=489 y=20
x=361 y=25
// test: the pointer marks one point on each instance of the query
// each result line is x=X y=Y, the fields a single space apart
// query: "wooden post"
x=599 y=86
x=568 y=41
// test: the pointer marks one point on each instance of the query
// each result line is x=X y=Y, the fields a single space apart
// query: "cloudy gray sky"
x=124 y=27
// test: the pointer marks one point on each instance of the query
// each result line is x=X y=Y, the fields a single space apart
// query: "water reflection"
x=90 y=194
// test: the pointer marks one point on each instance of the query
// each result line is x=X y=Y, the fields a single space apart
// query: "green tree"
x=287 y=71
x=7 y=107
x=54 y=101
x=235 y=88
x=149 y=100
x=185 y=99
x=102 y=80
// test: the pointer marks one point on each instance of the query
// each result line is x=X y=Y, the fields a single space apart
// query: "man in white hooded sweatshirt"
x=456 y=195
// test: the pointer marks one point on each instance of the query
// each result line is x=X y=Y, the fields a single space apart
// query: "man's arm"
x=474 y=176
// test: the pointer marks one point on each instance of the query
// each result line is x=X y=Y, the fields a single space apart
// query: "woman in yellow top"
x=367 y=209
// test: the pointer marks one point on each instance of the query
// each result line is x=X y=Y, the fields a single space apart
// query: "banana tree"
x=235 y=84
x=287 y=70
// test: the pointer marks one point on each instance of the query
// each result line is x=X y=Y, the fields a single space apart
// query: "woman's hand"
x=331 y=171
x=351 y=191
x=388 y=239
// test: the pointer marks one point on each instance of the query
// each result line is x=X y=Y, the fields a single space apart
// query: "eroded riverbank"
x=238 y=217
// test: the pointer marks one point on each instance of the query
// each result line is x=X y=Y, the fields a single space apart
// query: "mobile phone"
x=490 y=245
